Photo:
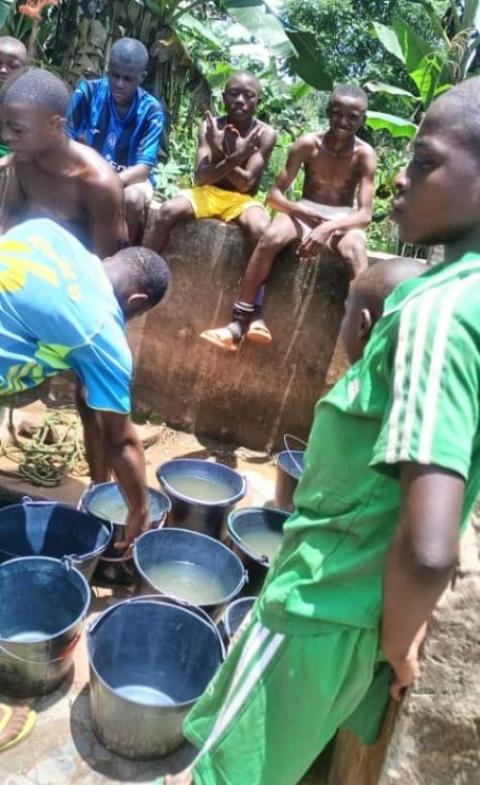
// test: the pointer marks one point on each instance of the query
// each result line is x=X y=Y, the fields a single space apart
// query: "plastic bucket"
x=107 y=502
x=150 y=659
x=203 y=567
x=249 y=522
x=235 y=614
x=223 y=485
x=55 y=530
x=43 y=604
x=289 y=470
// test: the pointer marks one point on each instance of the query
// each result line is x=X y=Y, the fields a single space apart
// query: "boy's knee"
x=271 y=239
x=135 y=201
x=174 y=210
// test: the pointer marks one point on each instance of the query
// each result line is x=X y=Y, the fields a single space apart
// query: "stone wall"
x=254 y=396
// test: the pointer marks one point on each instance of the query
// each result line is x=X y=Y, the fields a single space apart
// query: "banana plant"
x=432 y=69
x=6 y=6
x=299 y=48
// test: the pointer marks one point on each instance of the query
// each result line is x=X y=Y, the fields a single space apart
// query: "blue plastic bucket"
x=150 y=659
x=249 y=522
x=198 y=558
x=54 y=530
x=43 y=604
x=197 y=512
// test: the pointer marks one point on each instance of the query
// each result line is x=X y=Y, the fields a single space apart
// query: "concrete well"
x=257 y=395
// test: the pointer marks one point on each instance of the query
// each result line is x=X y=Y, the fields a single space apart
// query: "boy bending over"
x=392 y=471
x=339 y=169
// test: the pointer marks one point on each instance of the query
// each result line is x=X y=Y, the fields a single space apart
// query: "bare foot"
x=14 y=725
x=184 y=778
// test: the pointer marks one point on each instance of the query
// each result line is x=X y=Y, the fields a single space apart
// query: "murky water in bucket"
x=187 y=581
x=31 y=636
x=263 y=542
x=112 y=509
x=146 y=695
x=201 y=490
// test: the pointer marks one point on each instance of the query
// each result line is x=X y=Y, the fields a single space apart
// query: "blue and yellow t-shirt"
x=58 y=312
x=122 y=141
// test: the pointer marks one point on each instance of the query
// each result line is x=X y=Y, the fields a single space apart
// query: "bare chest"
x=58 y=196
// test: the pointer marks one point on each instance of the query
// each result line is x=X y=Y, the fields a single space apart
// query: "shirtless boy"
x=49 y=175
x=232 y=154
x=13 y=58
x=339 y=169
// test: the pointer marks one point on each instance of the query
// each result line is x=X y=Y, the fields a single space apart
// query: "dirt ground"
x=63 y=748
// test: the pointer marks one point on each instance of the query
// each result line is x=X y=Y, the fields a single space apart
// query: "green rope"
x=48 y=464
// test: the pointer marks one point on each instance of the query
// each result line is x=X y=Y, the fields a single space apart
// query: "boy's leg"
x=255 y=221
x=275 y=704
x=177 y=209
x=352 y=247
x=281 y=232
x=137 y=197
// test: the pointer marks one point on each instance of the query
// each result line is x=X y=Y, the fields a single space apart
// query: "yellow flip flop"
x=27 y=728
x=222 y=338
x=258 y=332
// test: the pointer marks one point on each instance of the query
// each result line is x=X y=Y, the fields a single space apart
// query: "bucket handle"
x=70 y=648
x=288 y=436
x=162 y=598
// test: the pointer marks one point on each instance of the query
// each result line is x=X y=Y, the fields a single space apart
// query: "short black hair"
x=40 y=89
x=130 y=52
x=15 y=42
x=248 y=75
x=146 y=271
x=458 y=111
x=380 y=279
x=349 y=91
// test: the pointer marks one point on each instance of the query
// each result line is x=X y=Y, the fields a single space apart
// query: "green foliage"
x=5 y=9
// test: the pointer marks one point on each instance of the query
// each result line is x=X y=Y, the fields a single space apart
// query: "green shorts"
x=276 y=702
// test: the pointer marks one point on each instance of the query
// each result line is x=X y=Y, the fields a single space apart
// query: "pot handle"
x=288 y=436
x=161 y=598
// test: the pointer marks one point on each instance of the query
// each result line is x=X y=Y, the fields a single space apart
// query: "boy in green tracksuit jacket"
x=391 y=474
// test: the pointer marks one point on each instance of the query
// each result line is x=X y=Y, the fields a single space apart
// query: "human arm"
x=247 y=178
x=104 y=201
x=429 y=440
x=78 y=111
x=93 y=438
x=213 y=163
x=125 y=455
x=147 y=150
x=13 y=199
x=419 y=563
x=297 y=156
x=357 y=219
x=134 y=174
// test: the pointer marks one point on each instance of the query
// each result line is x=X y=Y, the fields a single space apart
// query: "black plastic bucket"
x=246 y=521
x=289 y=470
x=43 y=604
x=195 y=512
x=150 y=659
x=54 y=530
x=106 y=501
x=201 y=558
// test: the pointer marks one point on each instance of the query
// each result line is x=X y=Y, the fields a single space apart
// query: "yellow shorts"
x=208 y=201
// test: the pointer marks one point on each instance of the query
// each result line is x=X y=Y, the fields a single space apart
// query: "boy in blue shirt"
x=124 y=123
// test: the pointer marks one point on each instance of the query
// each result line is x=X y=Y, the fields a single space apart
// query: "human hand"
x=406 y=668
x=246 y=146
x=308 y=214
x=136 y=524
x=315 y=241
x=214 y=136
